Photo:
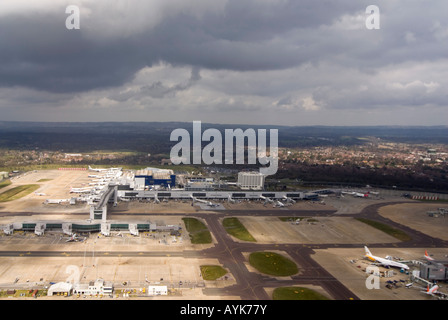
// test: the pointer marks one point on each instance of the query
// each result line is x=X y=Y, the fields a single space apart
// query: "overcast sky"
x=308 y=62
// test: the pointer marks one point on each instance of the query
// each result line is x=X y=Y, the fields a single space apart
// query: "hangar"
x=60 y=288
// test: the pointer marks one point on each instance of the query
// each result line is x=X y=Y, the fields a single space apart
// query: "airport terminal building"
x=434 y=271
x=151 y=177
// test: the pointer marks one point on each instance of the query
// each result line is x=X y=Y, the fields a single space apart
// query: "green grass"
x=400 y=235
x=273 y=264
x=296 y=293
x=18 y=192
x=212 y=272
x=5 y=183
x=431 y=201
x=199 y=233
x=44 y=180
x=235 y=228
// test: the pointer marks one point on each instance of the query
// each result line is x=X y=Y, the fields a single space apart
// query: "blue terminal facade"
x=151 y=181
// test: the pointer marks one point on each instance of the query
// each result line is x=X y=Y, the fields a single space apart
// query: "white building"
x=251 y=180
x=94 y=287
x=64 y=288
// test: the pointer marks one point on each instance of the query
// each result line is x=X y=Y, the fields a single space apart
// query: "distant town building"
x=73 y=157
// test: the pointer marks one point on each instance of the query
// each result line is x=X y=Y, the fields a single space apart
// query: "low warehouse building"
x=157 y=290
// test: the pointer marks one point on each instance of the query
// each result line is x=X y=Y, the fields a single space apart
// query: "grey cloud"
x=245 y=56
x=158 y=90
x=38 y=52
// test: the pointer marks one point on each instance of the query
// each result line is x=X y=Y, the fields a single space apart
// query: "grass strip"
x=235 y=228
x=398 y=234
x=199 y=233
x=5 y=183
x=210 y=272
x=273 y=264
x=18 y=192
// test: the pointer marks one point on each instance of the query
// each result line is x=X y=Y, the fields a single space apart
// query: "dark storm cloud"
x=278 y=57
x=37 y=51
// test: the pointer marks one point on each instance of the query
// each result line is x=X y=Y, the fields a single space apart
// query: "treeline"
x=418 y=178
x=154 y=137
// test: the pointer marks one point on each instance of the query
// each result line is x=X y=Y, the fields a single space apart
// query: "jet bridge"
x=99 y=210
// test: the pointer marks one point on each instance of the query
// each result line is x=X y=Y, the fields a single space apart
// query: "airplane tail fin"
x=432 y=289
x=367 y=251
x=427 y=255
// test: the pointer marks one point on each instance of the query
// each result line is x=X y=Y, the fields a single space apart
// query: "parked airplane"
x=357 y=194
x=289 y=200
x=39 y=194
x=431 y=290
x=80 y=190
x=427 y=256
x=361 y=195
x=209 y=203
x=74 y=238
x=98 y=169
x=266 y=199
x=387 y=262
x=278 y=204
x=434 y=291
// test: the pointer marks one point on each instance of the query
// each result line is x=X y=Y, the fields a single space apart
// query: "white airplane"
x=427 y=256
x=39 y=194
x=385 y=261
x=431 y=290
x=97 y=170
x=357 y=194
x=278 y=204
x=55 y=201
x=73 y=238
x=266 y=200
x=361 y=195
x=209 y=203
x=289 y=200
x=434 y=291
x=80 y=190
